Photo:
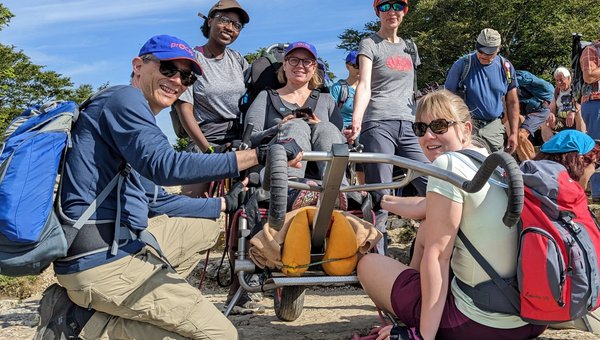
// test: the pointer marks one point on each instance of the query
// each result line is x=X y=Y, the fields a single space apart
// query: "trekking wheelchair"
x=290 y=291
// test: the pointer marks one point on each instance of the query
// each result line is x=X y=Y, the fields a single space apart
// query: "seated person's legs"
x=301 y=132
x=324 y=135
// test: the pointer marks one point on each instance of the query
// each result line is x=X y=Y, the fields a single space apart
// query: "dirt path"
x=329 y=312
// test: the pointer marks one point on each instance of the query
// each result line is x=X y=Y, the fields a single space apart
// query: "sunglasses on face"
x=437 y=126
x=308 y=62
x=396 y=6
x=486 y=54
x=225 y=21
x=168 y=69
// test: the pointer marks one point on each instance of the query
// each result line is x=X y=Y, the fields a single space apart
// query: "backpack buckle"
x=125 y=169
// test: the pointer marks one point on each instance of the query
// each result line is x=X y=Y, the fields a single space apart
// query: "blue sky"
x=93 y=41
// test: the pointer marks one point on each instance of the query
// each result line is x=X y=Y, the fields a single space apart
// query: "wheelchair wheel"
x=289 y=302
x=276 y=181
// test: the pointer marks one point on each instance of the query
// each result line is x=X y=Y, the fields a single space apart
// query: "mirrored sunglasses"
x=437 y=126
x=396 y=6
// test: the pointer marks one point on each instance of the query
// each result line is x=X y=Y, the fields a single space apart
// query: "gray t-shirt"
x=215 y=95
x=266 y=118
x=392 y=79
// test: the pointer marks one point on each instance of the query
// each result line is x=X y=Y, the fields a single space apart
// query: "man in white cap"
x=485 y=79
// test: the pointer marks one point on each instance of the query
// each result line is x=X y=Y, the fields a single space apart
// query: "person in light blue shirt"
x=343 y=90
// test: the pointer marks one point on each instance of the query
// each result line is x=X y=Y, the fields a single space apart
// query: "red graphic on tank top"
x=399 y=63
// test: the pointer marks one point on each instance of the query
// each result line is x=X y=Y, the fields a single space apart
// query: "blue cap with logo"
x=301 y=44
x=351 y=57
x=569 y=141
x=167 y=47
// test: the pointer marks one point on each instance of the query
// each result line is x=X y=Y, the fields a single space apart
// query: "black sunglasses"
x=168 y=69
x=437 y=126
x=396 y=6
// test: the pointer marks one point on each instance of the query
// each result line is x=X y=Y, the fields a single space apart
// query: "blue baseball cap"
x=301 y=44
x=167 y=47
x=568 y=141
x=351 y=57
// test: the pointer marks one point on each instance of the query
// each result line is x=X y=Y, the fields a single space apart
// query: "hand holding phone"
x=303 y=113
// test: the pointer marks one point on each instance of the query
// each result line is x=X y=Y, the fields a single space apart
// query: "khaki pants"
x=492 y=134
x=140 y=297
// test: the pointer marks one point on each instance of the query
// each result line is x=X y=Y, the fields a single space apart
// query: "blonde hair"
x=446 y=105
x=315 y=82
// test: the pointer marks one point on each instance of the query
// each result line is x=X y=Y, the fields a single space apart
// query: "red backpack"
x=558 y=273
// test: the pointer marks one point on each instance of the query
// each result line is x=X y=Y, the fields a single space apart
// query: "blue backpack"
x=533 y=91
x=31 y=159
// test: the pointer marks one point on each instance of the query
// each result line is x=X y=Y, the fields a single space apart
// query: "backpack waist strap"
x=94 y=238
x=488 y=297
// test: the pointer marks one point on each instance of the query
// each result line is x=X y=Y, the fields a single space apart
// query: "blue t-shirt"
x=486 y=85
x=346 y=109
x=119 y=127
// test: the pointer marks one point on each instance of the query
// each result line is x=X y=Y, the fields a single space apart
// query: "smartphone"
x=304 y=113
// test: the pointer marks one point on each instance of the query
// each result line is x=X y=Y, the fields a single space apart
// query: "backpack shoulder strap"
x=344 y=93
x=313 y=99
x=284 y=110
x=466 y=67
x=507 y=290
x=506 y=69
x=91 y=98
x=412 y=50
x=239 y=58
x=275 y=100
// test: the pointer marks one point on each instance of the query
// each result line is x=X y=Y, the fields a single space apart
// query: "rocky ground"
x=329 y=312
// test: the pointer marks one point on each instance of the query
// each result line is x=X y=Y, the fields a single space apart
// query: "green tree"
x=536 y=35
x=23 y=83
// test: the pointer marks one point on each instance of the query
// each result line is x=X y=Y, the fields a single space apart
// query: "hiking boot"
x=54 y=308
x=244 y=305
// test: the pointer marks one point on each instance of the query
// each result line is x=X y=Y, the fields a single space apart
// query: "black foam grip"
x=276 y=181
x=514 y=179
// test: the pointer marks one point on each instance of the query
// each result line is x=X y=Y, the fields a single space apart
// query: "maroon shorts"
x=406 y=301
